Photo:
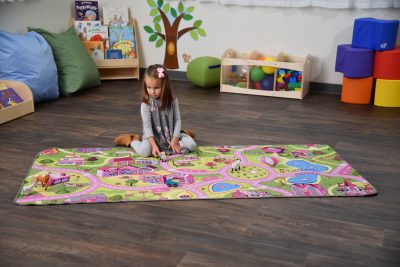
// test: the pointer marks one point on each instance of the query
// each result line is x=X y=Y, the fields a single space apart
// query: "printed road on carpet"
x=86 y=175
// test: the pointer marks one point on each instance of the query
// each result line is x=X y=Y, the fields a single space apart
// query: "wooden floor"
x=363 y=231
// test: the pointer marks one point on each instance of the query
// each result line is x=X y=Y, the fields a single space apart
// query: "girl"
x=161 y=119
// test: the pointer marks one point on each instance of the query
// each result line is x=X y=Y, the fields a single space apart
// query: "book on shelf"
x=123 y=38
x=95 y=49
x=97 y=33
x=81 y=28
x=9 y=98
x=114 y=54
x=86 y=10
x=115 y=15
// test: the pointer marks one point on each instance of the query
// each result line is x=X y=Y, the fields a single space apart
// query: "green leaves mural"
x=163 y=13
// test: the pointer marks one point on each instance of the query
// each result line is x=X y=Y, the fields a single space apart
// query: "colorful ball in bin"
x=267 y=83
x=267 y=69
x=256 y=74
x=241 y=84
x=257 y=85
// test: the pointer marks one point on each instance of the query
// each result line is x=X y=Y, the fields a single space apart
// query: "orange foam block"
x=387 y=93
x=387 y=64
x=357 y=90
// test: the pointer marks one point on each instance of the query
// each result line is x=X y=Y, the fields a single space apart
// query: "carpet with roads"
x=86 y=175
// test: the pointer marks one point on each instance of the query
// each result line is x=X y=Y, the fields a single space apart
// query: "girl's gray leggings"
x=143 y=148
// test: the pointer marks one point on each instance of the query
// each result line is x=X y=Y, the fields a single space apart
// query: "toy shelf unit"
x=277 y=75
x=127 y=68
x=20 y=109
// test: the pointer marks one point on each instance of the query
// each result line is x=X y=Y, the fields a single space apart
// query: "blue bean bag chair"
x=29 y=59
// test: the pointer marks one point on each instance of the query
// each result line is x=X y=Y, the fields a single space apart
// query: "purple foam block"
x=354 y=62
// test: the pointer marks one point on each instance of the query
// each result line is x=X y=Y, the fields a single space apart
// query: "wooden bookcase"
x=232 y=82
x=21 y=109
x=114 y=69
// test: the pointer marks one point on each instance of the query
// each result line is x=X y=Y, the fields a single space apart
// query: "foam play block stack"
x=356 y=64
x=387 y=74
x=356 y=61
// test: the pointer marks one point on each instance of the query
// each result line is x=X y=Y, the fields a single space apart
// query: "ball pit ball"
x=267 y=69
x=267 y=83
x=256 y=74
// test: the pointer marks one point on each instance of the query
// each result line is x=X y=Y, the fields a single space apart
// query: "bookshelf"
x=21 y=109
x=115 y=69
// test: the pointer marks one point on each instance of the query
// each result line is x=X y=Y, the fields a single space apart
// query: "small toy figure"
x=163 y=156
x=236 y=165
x=169 y=182
x=27 y=190
x=43 y=179
x=185 y=151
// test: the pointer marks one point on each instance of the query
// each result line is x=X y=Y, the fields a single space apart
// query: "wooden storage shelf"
x=115 y=69
x=21 y=109
x=285 y=63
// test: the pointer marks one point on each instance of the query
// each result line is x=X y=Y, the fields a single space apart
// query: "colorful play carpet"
x=86 y=175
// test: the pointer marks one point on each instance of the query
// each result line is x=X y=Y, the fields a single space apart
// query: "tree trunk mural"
x=171 y=33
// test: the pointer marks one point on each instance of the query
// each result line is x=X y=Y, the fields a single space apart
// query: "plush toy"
x=126 y=139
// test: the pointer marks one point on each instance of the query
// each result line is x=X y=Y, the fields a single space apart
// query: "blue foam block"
x=375 y=34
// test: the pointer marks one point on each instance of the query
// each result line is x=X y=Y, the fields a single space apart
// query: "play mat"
x=86 y=175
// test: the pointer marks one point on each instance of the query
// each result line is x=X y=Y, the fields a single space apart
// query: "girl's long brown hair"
x=166 y=96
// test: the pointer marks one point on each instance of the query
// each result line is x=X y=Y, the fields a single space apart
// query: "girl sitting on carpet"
x=161 y=119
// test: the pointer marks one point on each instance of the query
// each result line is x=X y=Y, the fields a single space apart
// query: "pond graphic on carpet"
x=87 y=175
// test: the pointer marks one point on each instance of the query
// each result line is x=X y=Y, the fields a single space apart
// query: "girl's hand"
x=155 y=151
x=175 y=145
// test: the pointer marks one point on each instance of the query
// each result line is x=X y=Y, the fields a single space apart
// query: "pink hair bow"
x=160 y=73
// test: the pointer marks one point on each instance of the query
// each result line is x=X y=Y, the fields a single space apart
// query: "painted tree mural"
x=171 y=19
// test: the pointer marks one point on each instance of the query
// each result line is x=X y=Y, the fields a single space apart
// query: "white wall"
x=296 y=31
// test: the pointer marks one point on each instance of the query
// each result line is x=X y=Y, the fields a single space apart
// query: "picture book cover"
x=95 y=49
x=9 y=98
x=86 y=10
x=123 y=38
x=97 y=33
x=114 y=54
x=115 y=15
x=81 y=28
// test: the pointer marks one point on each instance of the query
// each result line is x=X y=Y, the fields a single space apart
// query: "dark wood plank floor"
x=259 y=232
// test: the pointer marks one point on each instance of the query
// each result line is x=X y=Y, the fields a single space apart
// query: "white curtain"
x=376 y=3
x=3 y=1
x=274 y=3
x=316 y=3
